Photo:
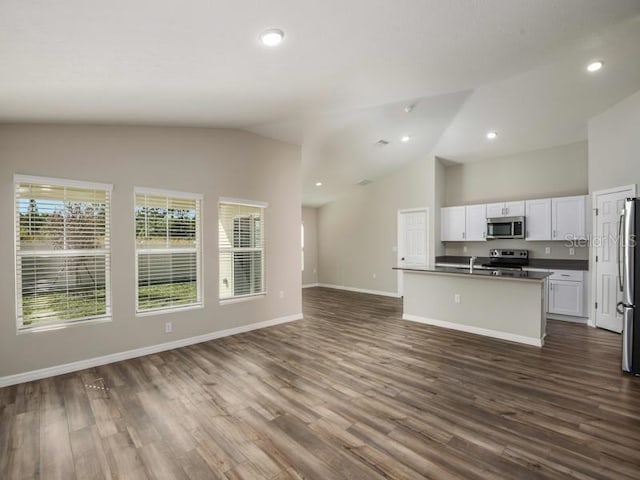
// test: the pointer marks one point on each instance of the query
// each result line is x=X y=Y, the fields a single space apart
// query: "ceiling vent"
x=382 y=142
x=364 y=182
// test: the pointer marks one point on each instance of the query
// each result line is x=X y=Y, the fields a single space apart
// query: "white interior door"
x=607 y=291
x=413 y=231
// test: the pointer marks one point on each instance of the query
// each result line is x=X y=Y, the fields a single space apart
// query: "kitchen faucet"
x=471 y=262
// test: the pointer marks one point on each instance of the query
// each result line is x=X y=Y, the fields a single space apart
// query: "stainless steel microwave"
x=505 y=227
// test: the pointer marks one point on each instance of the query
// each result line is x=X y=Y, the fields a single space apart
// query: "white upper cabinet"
x=452 y=224
x=505 y=209
x=569 y=218
x=538 y=219
x=476 y=223
x=495 y=210
x=515 y=209
x=558 y=219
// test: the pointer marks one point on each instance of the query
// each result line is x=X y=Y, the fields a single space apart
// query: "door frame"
x=593 y=274
x=399 y=232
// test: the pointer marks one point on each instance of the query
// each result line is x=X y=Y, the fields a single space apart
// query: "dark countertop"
x=494 y=274
x=547 y=263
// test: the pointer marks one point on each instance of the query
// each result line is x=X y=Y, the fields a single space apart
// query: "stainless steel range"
x=507 y=259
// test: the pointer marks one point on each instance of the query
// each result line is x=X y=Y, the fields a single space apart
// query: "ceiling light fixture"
x=318 y=184
x=409 y=108
x=405 y=138
x=492 y=135
x=595 y=66
x=272 y=37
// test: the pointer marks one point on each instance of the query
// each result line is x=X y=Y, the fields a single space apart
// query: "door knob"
x=402 y=259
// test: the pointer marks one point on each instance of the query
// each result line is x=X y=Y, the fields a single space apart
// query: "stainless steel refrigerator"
x=629 y=272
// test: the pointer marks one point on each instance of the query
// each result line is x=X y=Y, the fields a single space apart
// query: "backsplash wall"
x=536 y=249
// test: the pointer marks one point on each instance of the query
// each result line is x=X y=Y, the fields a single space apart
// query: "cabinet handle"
x=484 y=234
x=550 y=286
x=554 y=234
x=464 y=235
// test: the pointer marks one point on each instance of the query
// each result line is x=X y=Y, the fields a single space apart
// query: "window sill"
x=163 y=311
x=62 y=326
x=245 y=298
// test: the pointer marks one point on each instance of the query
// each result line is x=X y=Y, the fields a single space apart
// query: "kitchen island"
x=502 y=304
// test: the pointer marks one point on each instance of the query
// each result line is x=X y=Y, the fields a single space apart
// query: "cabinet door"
x=496 y=210
x=538 y=219
x=452 y=223
x=514 y=209
x=565 y=298
x=569 y=218
x=476 y=224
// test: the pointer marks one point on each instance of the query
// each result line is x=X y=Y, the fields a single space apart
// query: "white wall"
x=550 y=172
x=614 y=145
x=213 y=162
x=310 y=222
x=357 y=232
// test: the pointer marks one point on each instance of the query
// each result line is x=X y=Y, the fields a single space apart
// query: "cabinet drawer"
x=568 y=275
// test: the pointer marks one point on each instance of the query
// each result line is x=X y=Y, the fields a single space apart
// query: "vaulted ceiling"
x=338 y=83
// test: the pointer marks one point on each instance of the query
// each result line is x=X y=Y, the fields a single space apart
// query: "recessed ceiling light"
x=405 y=138
x=595 y=66
x=272 y=37
x=318 y=184
x=492 y=135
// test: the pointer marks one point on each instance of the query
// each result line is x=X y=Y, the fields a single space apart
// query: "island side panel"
x=511 y=310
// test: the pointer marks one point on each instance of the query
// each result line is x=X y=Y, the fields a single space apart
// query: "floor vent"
x=98 y=384
x=363 y=182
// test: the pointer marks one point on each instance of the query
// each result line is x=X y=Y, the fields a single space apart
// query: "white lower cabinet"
x=567 y=293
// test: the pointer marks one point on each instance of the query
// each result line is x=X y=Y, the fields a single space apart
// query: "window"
x=168 y=250
x=62 y=251
x=241 y=243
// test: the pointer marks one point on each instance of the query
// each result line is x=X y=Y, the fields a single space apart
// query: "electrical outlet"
x=168 y=327
x=281 y=293
x=547 y=251
x=572 y=251
x=456 y=298
x=374 y=276
x=464 y=249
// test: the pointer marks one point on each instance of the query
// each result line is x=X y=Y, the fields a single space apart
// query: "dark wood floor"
x=352 y=391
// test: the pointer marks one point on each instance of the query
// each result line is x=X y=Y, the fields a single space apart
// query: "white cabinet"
x=569 y=218
x=476 y=223
x=452 y=224
x=567 y=293
x=538 y=219
x=505 y=209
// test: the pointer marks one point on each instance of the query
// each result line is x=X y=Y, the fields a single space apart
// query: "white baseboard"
x=567 y=318
x=360 y=290
x=536 y=342
x=138 y=352
x=311 y=285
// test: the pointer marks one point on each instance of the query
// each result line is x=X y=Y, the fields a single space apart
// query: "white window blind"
x=168 y=250
x=62 y=251
x=241 y=243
